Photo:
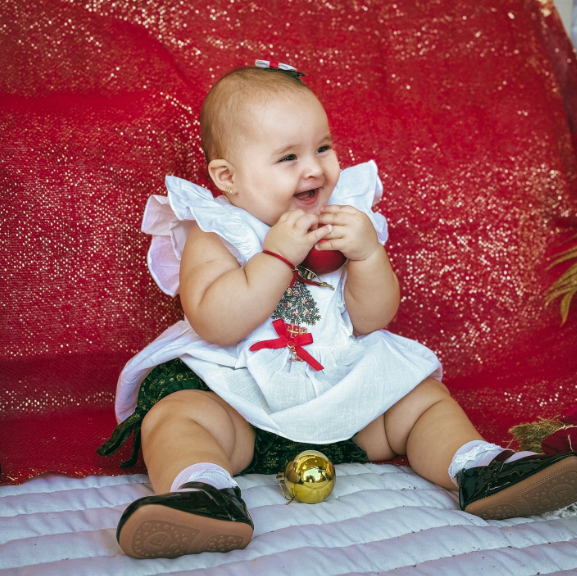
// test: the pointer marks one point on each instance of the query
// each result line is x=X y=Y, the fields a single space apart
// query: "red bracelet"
x=287 y=262
x=296 y=271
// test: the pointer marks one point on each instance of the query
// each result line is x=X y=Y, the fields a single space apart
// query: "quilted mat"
x=378 y=520
x=468 y=108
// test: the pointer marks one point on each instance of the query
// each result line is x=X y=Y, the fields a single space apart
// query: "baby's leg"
x=433 y=431
x=427 y=425
x=193 y=442
x=192 y=426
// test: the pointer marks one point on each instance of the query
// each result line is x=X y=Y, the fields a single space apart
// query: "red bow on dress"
x=294 y=344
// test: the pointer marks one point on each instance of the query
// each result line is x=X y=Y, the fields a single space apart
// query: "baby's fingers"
x=333 y=208
x=332 y=244
x=292 y=216
x=334 y=240
x=305 y=221
x=339 y=215
x=320 y=233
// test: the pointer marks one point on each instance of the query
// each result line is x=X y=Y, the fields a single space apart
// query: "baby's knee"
x=433 y=389
x=181 y=404
x=422 y=397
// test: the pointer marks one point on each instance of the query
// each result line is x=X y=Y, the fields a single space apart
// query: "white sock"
x=478 y=453
x=206 y=472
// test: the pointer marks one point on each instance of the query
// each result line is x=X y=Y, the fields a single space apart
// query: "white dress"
x=361 y=377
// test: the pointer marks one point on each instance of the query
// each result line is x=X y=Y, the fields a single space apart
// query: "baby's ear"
x=222 y=174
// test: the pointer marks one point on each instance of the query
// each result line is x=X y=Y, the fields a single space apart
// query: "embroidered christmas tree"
x=297 y=306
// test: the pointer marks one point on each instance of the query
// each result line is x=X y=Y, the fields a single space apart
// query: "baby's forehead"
x=258 y=101
x=254 y=86
x=264 y=109
x=257 y=97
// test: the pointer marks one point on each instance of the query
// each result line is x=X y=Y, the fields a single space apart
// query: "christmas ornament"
x=309 y=478
x=323 y=261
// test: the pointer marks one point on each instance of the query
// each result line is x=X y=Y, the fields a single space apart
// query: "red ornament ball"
x=323 y=261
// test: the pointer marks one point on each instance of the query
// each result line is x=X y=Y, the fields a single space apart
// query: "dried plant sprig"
x=566 y=284
x=531 y=435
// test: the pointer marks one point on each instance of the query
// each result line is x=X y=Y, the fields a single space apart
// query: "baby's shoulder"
x=203 y=246
x=203 y=259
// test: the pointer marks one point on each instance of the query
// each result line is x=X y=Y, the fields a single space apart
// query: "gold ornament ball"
x=309 y=478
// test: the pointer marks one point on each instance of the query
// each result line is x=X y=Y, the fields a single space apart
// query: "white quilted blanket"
x=378 y=520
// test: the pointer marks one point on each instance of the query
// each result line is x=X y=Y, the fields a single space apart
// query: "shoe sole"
x=553 y=488
x=156 y=531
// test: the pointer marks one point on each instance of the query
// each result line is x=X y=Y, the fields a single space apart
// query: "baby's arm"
x=224 y=302
x=372 y=290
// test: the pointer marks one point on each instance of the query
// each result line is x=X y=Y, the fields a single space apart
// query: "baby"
x=276 y=359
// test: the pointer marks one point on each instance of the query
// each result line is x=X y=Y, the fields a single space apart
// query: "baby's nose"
x=313 y=168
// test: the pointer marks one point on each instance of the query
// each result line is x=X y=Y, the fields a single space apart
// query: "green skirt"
x=271 y=452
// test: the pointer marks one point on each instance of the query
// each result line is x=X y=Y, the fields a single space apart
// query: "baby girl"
x=272 y=358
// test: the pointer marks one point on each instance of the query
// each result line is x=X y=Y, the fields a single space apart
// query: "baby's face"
x=286 y=161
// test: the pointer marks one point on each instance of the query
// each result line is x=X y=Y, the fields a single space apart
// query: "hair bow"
x=279 y=67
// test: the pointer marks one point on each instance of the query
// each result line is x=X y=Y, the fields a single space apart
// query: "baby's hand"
x=292 y=236
x=353 y=232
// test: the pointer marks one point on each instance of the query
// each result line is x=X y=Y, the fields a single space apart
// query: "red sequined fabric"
x=467 y=108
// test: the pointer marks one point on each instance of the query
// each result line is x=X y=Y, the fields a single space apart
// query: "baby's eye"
x=324 y=148
x=288 y=158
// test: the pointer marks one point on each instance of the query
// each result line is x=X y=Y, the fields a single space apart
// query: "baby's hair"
x=222 y=110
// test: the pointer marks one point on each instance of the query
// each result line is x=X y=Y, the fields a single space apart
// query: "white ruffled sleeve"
x=169 y=220
x=360 y=186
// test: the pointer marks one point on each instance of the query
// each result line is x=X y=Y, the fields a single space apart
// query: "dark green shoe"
x=177 y=523
x=532 y=485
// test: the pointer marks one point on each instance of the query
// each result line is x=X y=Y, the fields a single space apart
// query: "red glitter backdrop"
x=467 y=107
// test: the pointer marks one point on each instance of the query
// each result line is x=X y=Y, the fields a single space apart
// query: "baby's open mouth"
x=306 y=195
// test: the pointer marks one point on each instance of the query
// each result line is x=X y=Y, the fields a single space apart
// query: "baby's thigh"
x=244 y=435
x=373 y=440
x=183 y=419
x=411 y=407
x=386 y=436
